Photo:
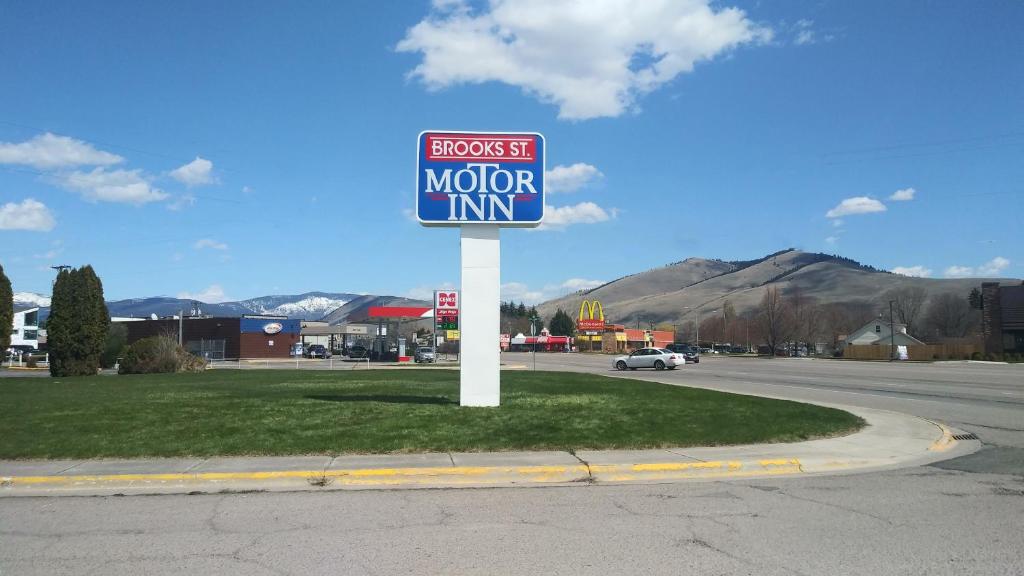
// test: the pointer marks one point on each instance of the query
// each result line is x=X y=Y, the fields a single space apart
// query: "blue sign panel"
x=480 y=178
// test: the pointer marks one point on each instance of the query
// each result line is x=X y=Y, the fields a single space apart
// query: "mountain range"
x=676 y=292
x=308 y=306
x=669 y=294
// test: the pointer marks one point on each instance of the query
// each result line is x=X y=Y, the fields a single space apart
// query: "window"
x=878 y=328
x=30 y=335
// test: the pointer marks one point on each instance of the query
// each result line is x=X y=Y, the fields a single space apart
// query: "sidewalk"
x=891 y=440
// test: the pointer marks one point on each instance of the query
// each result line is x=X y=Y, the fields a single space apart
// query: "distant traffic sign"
x=480 y=178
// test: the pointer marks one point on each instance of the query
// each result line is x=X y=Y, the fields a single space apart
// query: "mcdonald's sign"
x=591 y=316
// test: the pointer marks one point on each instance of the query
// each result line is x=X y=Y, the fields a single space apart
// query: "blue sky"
x=226 y=151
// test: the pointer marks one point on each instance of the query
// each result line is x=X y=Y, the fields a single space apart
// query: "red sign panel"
x=582 y=324
x=480 y=148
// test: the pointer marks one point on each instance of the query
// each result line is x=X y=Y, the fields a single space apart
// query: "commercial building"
x=25 y=328
x=218 y=338
x=1002 y=318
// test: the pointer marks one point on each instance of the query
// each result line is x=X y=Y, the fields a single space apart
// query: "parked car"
x=358 y=351
x=424 y=354
x=690 y=353
x=657 y=358
x=317 y=351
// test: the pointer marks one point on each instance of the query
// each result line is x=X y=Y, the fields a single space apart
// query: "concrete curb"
x=394 y=477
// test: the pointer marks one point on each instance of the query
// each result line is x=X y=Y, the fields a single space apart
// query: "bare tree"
x=950 y=316
x=774 y=319
x=841 y=319
x=908 y=303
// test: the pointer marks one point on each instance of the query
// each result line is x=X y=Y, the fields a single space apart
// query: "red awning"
x=400 y=312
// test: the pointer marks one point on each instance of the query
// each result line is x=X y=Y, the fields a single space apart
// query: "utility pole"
x=181 y=325
x=892 y=335
x=59 y=268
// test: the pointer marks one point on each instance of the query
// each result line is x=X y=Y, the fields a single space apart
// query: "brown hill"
x=673 y=293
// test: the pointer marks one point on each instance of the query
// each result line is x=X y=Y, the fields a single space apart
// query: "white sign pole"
x=480 y=372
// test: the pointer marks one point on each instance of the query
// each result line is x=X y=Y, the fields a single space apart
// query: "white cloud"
x=56 y=250
x=903 y=195
x=196 y=173
x=212 y=294
x=126 y=186
x=181 y=202
x=48 y=151
x=918 y=271
x=837 y=223
x=804 y=33
x=209 y=243
x=576 y=284
x=570 y=178
x=591 y=59
x=521 y=292
x=856 y=205
x=831 y=240
x=992 y=268
x=582 y=213
x=247 y=190
x=29 y=214
x=427 y=292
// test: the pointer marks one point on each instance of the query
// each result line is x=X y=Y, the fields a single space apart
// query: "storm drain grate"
x=968 y=436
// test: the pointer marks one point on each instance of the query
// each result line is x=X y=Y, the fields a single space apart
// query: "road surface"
x=957 y=517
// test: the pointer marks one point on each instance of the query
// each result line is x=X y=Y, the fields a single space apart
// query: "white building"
x=877 y=332
x=25 y=331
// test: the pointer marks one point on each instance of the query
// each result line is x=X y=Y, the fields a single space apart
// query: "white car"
x=657 y=358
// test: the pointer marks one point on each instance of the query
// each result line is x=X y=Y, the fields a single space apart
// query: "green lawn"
x=277 y=412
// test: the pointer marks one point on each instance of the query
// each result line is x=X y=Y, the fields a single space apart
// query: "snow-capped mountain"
x=31 y=299
x=309 y=306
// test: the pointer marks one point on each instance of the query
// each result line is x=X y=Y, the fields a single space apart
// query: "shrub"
x=159 y=354
x=976 y=356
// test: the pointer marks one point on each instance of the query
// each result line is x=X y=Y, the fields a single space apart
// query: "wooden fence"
x=914 y=352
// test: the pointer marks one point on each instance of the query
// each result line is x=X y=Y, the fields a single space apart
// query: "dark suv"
x=317 y=351
x=691 y=353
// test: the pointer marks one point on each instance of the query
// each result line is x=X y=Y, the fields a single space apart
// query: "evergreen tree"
x=6 y=310
x=521 y=310
x=562 y=324
x=78 y=323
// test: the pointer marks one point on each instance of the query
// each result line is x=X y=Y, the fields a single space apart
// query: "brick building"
x=220 y=338
x=1002 y=318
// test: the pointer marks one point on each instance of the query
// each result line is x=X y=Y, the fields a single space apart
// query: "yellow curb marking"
x=945 y=442
x=448 y=475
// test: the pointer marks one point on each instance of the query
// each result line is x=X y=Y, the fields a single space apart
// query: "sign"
x=451 y=334
x=446 y=310
x=901 y=353
x=446 y=299
x=272 y=327
x=480 y=178
x=591 y=317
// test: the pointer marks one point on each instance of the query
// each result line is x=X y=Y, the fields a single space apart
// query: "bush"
x=976 y=356
x=159 y=354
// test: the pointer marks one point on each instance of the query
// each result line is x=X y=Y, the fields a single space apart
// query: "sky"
x=227 y=150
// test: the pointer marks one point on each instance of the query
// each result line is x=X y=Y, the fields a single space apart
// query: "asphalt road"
x=958 y=517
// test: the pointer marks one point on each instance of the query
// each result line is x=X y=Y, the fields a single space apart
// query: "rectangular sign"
x=451 y=334
x=585 y=325
x=446 y=299
x=446 y=310
x=480 y=178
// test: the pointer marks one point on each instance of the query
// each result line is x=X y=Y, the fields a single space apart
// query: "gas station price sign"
x=446 y=309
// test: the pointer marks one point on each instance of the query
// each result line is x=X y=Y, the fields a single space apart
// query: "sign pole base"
x=480 y=330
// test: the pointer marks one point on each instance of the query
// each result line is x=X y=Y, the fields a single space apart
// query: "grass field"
x=278 y=412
